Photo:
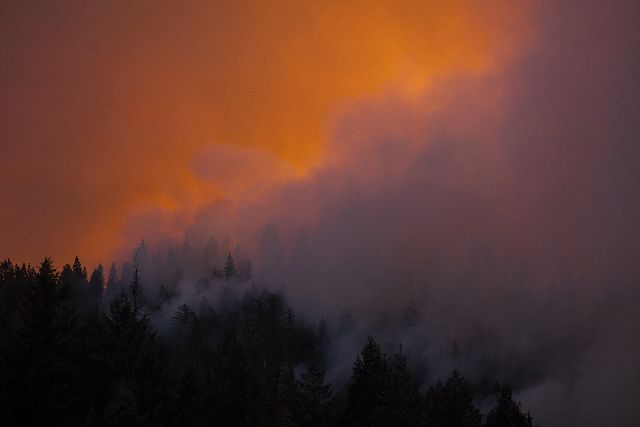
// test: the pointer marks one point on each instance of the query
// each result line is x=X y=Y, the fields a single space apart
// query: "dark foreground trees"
x=73 y=353
x=507 y=412
x=451 y=404
x=382 y=392
x=38 y=353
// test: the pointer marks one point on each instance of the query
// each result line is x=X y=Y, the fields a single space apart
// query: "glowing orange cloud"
x=107 y=107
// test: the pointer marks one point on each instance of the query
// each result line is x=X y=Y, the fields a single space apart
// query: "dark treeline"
x=79 y=349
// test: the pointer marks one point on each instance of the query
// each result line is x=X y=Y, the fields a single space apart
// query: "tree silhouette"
x=404 y=400
x=136 y=290
x=94 y=358
x=112 y=283
x=368 y=391
x=79 y=272
x=75 y=278
x=451 y=404
x=40 y=353
x=129 y=329
x=507 y=412
x=313 y=394
x=231 y=380
x=229 y=268
x=96 y=283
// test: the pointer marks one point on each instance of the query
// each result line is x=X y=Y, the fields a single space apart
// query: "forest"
x=82 y=349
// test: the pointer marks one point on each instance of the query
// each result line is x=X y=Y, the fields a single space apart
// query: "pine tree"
x=96 y=283
x=126 y=278
x=231 y=380
x=94 y=356
x=313 y=395
x=369 y=389
x=139 y=360
x=78 y=285
x=451 y=404
x=128 y=328
x=186 y=324
x=40 y=353
x=66 y=276
x=79 y=272
x=11 y=293
x=112 y=290
x=136 y=290
x=507 y=412
x=287 y=391
x=229 y=268
x=404 y=400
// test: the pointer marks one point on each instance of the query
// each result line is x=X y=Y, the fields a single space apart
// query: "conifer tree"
x=451 y=404
x=368 y=391
x=79 y=272
x=186 y=324
x=112 y=284
x=313 y=394
x=42 y=371
x=94 y=356
x=229 y=268
x=231 y=380
x=7 y=273
x=76 y=279
x=130 y=332
x=287 y=390
x=11 y=293
x=507 y=412
x=66 y=276
x=404 y=400
x=96 y=283
x=136 y=290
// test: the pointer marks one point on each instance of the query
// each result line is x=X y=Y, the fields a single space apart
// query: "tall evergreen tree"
x=94 y=357
x=507 y=412
x=128 y=328
x=450 y=404
x=405 y=401
x=369 y=389
x=78 y=285
x=231 y=380
x=11 y=293
x=229 y=268
x=136 y=290
x=79 y=272
x=66 y=276
x=313 y=395
x=287 y=393
x=96 y=283
x=139 y=360
x=112 y=283
x=42 y=374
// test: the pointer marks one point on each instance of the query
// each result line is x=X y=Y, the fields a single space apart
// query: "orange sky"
x=107 y=107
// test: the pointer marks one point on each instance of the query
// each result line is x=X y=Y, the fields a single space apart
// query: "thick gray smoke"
x=489 y=223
